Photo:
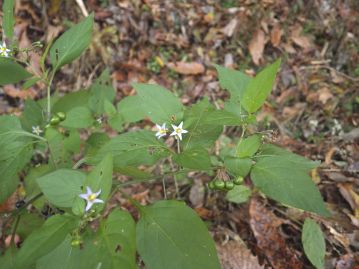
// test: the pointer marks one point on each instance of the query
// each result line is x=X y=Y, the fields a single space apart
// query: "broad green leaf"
x=71 y=100
x=31 y=187
x=130 y=109
x=280 y=180
x=62 y=186
x=100 y=92
x=171 y=235
x=240 y=194
x=72 y=141
x=28 y=223
x=313 y=243
x=32 y=115
x=194 y=158
x=234 y=107
x=222 y=117
x=249 y=146
x=238 y=166
x=95 y=142
x=234 y=81
x=8 y=20
x=259 y=88
x=132 y=149
x=72 y=43
x=15 y=152
x=158 y=103
x=79 y=117
x=7 y=260
x=60 y=157
x=200 y=133
x=11 y=72
x=45 y=239
x=269 y=150
x=112 y=247
x=101 y=177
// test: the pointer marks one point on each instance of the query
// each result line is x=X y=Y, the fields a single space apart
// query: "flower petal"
x=174 y=127
x=179 y=136
x=98 y=193
x=84 y=196
x=98 y=201
x=180 y=125
x=88 y=206
x=89 y=191
x=173 y=133
x=184 y=131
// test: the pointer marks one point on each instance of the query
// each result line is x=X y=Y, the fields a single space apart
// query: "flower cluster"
x=4 y=52
x=91 y=198
x=177 y=131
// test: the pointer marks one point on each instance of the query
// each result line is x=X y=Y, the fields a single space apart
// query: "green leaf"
x=8 y=20
x=101 y=177
x=158 y=103
x=130 y=110
x=249 y=146
x=30 y=82
x=240 y=194
x=95 y=142
x=72 y=141
x=100 y=92
x=259 y=88
x=71 y=100
x=60 y=157
x=201 y=134
x=195 y=158
x=280 y=180
x=234 y=81
x=113 y=247
x=298 y=161
x=238 y=166
x=171 y=235
x=45 y=239
x=132 y=149
x=62 y=186
x=313 y=243
x=11 y=72
x=28 y=223
x=15 y=152
x=72 y=43
x=32 y=115
x=222 y=117
x=79 y=117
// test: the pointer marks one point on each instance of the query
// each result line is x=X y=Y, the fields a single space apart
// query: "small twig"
x=82 y=7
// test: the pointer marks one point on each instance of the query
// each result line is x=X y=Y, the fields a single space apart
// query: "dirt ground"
x=313 y=110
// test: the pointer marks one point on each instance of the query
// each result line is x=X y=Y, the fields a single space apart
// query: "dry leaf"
x=228 y=30
x=266 y=228
x=276 y=35
x=191 y=68
x=235 y=255
x=324 y=95
x=11 y=91
x=299 y=39
x=256 y=46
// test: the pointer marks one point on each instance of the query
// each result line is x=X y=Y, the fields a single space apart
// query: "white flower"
x=162 y=131
x=337 y=128
x=91 y=198
x=36 y=130
x=4 y=52
x=178 y=131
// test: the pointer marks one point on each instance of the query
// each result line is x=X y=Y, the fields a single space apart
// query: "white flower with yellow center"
x=178 y=131
x=91 y=198
x=162 y=131
x=4 y=52
x=36 y=130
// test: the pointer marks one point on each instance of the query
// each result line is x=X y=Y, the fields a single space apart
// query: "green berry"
x=229 y=185
x=238 y=180
x=211 y=185
x=219 y=184
x=75 y=242
x=61 y=115
x=54 y=120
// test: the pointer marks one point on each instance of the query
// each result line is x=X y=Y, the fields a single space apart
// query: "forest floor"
x=313 y=110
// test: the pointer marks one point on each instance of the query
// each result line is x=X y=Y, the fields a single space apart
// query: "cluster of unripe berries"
x=219 y=184
x=57 y=118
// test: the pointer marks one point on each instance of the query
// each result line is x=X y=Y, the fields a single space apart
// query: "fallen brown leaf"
x=192 y=68
x=276 y=35
x=256 y=46
x=235 y=255
x=266 y=228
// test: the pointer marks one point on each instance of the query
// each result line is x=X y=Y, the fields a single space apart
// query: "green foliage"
x=195 y=158
x=171 y=235
x=130 y=110
x=8 y=19
x=78 y=117
x=11 y=72
x=313 y=243
x=238 y=166
x=276 y=178
x=72 y=43
x=62 y=186
x=249 y=146
x=45 y=239
x=159 y=104
x=239 y=194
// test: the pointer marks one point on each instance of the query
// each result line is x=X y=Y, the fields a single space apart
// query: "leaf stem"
x=49 y=83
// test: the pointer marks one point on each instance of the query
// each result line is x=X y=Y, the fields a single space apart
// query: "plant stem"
x=49 y=95
x=12 y=240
